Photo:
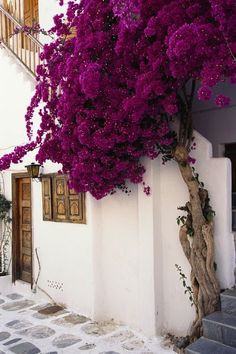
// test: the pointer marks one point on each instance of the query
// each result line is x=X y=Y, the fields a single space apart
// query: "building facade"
x=113 y=258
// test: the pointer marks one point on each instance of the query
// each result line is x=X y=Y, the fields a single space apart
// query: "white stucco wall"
x=117 y=258
x=48 y=9
x=65 y=250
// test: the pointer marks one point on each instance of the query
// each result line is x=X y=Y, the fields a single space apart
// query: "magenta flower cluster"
x=108 y=93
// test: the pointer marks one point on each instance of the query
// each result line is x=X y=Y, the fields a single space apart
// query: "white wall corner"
x=216 y=175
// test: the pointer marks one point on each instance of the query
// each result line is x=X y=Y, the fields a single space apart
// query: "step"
x=220 y=327
x=228 y=302
x=207 y=346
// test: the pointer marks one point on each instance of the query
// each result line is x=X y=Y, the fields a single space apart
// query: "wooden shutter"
x=47 y=197
x=60 y=202
x=76 y=203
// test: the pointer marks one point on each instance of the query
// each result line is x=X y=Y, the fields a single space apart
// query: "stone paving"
x=30 y=328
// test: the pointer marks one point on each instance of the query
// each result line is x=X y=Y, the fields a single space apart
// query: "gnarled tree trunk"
x=200 y=250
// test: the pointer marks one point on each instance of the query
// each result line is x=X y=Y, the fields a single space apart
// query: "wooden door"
x=7 y=30
x=31 y=17
x=22 y=229
x=31 y=13
x=10 y=6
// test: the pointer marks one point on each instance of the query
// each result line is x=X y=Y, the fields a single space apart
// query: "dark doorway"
x=230 y=152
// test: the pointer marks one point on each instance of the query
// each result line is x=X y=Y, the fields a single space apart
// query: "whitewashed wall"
x=121 y=264
x=64 y=249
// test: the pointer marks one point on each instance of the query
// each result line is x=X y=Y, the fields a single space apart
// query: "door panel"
x=60 y=198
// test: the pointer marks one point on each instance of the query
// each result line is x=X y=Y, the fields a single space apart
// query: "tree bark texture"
x=199 y=249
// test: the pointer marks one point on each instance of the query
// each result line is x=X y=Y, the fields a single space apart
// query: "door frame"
x=15 y=226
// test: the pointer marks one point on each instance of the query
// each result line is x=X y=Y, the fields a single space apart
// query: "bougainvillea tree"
x=109 y=93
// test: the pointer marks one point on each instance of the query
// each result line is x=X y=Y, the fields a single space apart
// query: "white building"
x=120 y=262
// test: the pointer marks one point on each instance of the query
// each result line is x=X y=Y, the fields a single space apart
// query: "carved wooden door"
x=31 y=15
x=25 y=230
x=22 y=229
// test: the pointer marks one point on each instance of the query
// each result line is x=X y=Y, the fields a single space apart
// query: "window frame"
x=68 y=199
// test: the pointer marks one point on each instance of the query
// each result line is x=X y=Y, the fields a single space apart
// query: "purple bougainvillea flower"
x=222 y=101
x=204 y=93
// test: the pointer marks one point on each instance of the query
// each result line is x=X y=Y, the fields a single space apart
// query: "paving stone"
x=12 y=341
x=120 y=337
x=17 y=324
x=65 y=340
x=25 y=348
x=4 y=335
x=17 y=305
x=87 y=347
x=133 y=345
x=83 y=335
x=70 y=320
x=51 y=310
x=2 y=301
x=48 y=312
x=99 y=329
x=38 y=332
x=14 y=296
x=40 y=307
x=109 y=352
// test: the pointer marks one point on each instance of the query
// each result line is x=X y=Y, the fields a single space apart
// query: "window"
x=61 y=203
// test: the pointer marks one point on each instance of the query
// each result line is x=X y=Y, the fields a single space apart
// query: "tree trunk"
x=200 y=250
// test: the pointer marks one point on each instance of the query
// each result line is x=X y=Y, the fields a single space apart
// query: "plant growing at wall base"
x=108 y=96
x=183 y=279
x=5 y=234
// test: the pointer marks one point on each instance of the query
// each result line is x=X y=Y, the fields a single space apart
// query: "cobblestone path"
x=30 y=328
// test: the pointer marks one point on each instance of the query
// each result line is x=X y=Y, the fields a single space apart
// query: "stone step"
x=220 y=327
x=207 y=346
x=228 y=302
